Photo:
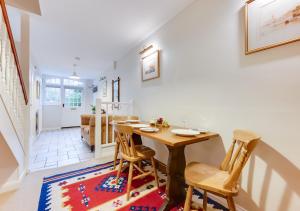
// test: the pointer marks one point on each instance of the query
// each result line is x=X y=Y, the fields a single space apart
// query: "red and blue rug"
x=95 y=189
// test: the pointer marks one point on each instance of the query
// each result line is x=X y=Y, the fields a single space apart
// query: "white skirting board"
x=223 y=201
x=13 y=185
x=50 y=129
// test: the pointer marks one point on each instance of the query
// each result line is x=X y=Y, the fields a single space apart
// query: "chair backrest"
x=238 y=154
x=85 y=119
x=124 y=138
x=92 y=122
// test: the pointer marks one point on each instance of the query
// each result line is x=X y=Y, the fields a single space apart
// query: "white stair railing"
x=105 y=148
x=12 y=89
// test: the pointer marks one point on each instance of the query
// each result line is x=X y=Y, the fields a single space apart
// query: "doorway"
x=72 y=106
x=59 y=144
x=63 y=102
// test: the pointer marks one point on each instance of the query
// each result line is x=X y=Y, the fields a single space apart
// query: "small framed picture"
x=150 y=66
x=271 y=23
x=104 y=88
x=38 y=89
x=116 y=92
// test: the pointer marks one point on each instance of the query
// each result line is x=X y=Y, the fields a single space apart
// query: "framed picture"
x=104 y=88
x=150 y=66
x=116 y=92
x=271 y=23
x=38 y=89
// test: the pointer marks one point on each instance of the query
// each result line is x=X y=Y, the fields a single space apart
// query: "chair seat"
x=208 y=178
x=144 y=152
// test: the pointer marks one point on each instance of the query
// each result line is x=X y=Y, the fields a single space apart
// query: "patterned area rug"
x=95 y=189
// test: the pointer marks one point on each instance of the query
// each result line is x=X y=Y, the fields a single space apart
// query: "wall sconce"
x=148 y=48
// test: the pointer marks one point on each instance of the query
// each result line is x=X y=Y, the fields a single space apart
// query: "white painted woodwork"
x=125 y=108
x=10 y=87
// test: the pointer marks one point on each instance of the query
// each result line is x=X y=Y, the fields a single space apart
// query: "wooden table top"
x=165 y=136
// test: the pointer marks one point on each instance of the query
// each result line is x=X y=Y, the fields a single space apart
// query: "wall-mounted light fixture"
x=146 y=48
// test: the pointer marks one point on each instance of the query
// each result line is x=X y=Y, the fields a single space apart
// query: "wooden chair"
x=221 y=181
x=137 y=140
x=133 y=154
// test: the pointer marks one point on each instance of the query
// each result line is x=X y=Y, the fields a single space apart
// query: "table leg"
x=137 y=139
x=175 y=189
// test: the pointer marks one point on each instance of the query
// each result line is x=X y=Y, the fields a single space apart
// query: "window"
x=53 y=81
x=65 y=91
x=69 y=82
x=73 y=97
x=52 y=95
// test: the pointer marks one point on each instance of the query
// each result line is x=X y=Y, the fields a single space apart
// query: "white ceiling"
x=98 y=31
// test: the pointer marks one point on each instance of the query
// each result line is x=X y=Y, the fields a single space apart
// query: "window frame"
x=62 y=88
x=73 y=88
x=50 y=85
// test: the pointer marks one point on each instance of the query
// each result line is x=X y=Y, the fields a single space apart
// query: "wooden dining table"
x=175 y=187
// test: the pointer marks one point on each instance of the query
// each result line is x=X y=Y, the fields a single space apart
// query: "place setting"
x=153 y=126
x=188 y=132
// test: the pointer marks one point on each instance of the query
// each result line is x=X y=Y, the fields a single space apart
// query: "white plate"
x=133 y=121
x=149 y=129
x=185 y=132
x=202 y=130
x=139 y=125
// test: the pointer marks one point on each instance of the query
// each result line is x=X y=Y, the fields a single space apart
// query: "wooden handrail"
x=14 y=50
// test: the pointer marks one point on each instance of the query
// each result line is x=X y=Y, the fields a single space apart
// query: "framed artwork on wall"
x=271 y=23
x=104 y=88
x=38 y=89
x=150 y=66
x=116 y=92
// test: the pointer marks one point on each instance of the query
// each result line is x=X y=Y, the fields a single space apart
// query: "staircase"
x=13 y=97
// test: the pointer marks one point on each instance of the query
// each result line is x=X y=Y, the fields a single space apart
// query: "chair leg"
x=140 y=164
x=119 y=170
x=129 y=180
x=187 y=204
x=116 y=154
x=93 y=148
x=205 y=201
x=230 y=203
x=154 y=171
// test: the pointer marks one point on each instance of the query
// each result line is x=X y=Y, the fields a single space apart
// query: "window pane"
x=73 y=97
x=69 y=82
x=52 y=95
x=53 y=81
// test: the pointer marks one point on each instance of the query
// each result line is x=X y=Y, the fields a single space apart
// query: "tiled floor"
x=58 y=148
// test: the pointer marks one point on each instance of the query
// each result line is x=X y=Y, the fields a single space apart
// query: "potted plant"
x=93 y=108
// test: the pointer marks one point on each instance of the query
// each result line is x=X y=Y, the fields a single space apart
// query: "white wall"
x=88 y=96
x=208 y=81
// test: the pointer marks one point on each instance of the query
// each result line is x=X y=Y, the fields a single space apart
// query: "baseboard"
x=70 y=127
x=13 y=185
x=223 y=202
x=163 y=168
x=50 y=129
x=58 y=128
